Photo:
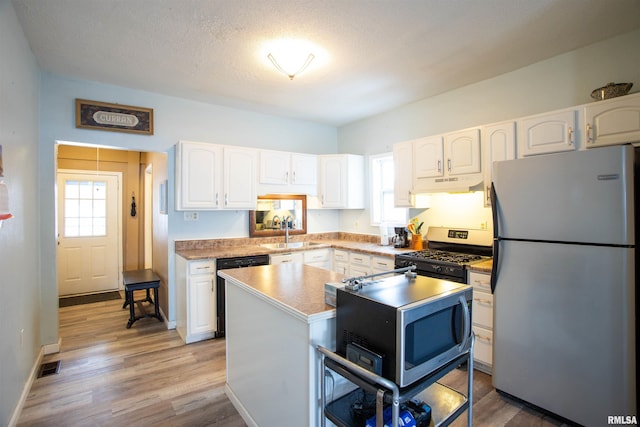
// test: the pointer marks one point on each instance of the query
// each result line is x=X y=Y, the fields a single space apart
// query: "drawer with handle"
x=483 y=346
x=202 y=267
x=359 y=259
x=319 y=255
x=480 y=281
x=483 y=309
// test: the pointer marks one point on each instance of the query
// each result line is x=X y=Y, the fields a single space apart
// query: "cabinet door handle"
x=481 y=283
x=439 y=165
x=483 y=338
x=217 y=197
x=286 y=176
x=294 y=177
x=570 y=135
x=483 y=301
x=211 y=286
x=203 y=268
x=589 y=134
x=449 y=165
x=226 y=199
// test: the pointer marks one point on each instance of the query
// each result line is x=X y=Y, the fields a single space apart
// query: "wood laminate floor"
x=146 y=376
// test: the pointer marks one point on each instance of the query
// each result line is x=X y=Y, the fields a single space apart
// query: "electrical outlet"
x=483 y=225
x=191 y=216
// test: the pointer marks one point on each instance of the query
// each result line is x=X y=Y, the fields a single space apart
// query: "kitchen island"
x=275 y=317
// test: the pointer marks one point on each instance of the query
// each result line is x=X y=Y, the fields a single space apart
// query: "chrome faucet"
x=285 y=222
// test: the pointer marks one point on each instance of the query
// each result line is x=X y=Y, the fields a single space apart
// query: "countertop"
x=482 y=266
x=255 y=249
x=294 y=287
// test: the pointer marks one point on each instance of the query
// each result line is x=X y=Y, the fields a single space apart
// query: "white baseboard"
x=170 y=324
x=240 y=407
x=52 y=348
x=27 y=388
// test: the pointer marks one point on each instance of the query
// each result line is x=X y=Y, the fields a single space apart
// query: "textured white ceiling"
x=378 y=54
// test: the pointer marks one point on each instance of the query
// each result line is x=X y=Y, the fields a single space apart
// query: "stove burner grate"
x=445 y=256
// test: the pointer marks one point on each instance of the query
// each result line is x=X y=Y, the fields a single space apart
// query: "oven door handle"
x=467 y=322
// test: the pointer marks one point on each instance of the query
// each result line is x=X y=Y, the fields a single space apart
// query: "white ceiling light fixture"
x=292 y=56
x=287 y=73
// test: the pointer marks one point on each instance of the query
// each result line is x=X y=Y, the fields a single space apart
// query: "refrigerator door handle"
x=496 y=240
x=494 y=265
x=494 y=211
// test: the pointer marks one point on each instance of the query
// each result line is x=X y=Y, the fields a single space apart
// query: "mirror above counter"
x=273 y=210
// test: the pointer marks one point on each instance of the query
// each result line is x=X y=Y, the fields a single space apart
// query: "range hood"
x=449 y=184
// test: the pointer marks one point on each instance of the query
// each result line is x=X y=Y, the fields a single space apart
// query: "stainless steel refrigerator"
x=565 y=282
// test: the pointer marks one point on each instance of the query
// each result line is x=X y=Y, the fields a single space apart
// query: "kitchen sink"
x=289 y=245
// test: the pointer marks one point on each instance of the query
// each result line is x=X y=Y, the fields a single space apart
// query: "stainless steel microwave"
x=412 y=325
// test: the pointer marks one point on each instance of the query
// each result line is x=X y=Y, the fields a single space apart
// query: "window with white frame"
x=382 y=204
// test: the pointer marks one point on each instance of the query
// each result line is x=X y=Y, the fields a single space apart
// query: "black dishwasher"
x=225 y=264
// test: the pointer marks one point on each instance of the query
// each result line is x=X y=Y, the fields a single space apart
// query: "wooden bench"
x=137 y=280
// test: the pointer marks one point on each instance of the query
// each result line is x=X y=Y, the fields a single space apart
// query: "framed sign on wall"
x=113 y=117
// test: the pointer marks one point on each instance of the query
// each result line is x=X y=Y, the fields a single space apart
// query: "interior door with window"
x=87 y=233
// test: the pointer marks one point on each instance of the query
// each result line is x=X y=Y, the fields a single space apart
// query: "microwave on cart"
x=404 y=328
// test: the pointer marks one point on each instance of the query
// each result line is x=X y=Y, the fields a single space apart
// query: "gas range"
x=449 y=253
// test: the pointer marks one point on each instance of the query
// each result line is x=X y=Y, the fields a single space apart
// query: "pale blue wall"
x=174 y=119
x=559 y=82
x=19 y=257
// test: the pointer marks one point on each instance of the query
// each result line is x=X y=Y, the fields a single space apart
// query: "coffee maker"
x=401 y=239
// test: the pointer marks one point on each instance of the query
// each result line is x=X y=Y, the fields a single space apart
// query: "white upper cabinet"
x=462 y=152
x=198 y=176
x=274 y=167
x=210 y=176
x=428 y=157
x=304 y=170
x=341 y=181
x=614 y=121
x=240 y=180
x=447 y=163
x=283 y=172
x=403 y=174
x=547 y=133
x=498 y=143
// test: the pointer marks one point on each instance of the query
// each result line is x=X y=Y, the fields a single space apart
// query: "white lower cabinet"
x=359 y=264
x=195 y=299
x=341 y=261
x=482 y=310
x=351 y=264
x=285 y=258
x=318 y=258
x=380 y=264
